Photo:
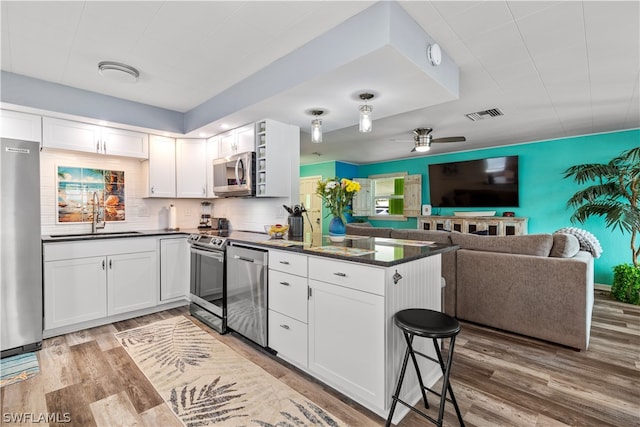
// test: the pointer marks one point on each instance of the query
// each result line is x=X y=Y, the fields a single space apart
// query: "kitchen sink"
x=97 y=235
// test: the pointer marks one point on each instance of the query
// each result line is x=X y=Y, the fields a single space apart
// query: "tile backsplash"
x=146 y=213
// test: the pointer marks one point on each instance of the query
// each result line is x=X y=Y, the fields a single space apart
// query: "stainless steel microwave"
x=235 y=176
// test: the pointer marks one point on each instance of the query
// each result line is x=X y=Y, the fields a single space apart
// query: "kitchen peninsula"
x=330 y=306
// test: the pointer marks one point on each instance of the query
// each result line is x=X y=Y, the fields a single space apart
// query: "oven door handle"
x=209 y=254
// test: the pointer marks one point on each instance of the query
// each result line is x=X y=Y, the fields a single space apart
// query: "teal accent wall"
x=543 y=191
x=329 y=170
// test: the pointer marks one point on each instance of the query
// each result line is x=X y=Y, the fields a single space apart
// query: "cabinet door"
x=162 y=167
x=75 y=291
x=174 y=268
x=131 y=282
x=346 y=340
x=363 y=199
x=23 y=126
x=226 y=144
x=245 y=139
x=191 y=171
x=69 y=135
x=120 y=142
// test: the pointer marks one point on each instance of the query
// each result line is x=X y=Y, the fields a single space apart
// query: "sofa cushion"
x=529 y=244
x=367 y=230
x=430 y=236
x=564 y=245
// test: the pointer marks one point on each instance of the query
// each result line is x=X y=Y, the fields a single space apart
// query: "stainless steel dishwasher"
x=247 y=292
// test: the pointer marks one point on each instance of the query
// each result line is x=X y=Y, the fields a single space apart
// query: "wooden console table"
x=491 y=225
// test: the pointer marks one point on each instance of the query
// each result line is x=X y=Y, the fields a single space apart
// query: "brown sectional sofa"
x=538 y=285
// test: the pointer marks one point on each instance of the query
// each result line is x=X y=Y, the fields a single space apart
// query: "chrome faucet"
x=95 y=223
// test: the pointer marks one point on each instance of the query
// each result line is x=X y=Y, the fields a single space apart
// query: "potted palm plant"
x=613 y=192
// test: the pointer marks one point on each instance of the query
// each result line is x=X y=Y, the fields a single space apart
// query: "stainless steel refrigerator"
x=21 y=317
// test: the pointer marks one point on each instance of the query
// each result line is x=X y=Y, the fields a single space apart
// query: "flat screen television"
x=482 y=183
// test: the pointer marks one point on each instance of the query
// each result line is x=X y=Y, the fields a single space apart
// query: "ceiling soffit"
x=372 y=51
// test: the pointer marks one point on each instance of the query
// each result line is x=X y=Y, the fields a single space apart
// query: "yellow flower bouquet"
x=337 y=195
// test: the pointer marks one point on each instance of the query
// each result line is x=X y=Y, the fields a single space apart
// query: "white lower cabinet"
x=288 y=291
x=334 y=319
x=346 y=338
x=174 y=269
x=85 y=281
x=131 y=282
x=75 y=290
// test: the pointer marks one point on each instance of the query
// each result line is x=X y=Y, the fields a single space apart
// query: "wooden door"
x=313 y=203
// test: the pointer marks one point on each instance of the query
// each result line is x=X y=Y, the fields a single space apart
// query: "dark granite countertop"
x=70 y=237
x=362 y=249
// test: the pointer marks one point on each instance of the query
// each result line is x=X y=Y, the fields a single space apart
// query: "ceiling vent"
x=485 y=114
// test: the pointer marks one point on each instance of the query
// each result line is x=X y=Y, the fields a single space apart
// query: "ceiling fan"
x=423 y=139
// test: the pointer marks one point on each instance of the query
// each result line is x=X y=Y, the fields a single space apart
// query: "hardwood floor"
x=499 y=379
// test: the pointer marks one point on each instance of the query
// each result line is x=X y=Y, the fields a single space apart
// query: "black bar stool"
x=428 y=324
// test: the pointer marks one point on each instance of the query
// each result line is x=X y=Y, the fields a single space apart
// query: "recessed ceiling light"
x=118 y=72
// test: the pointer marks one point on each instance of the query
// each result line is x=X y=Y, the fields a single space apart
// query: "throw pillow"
x=588 y=242
x=564 y=245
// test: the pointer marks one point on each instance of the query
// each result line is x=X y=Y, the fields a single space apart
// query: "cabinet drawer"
x=288 y=337
x=355 y=276
x=288 y=262
x=288 y=294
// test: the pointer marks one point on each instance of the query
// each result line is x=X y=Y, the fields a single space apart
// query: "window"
x=392 y=196
x=388 y=195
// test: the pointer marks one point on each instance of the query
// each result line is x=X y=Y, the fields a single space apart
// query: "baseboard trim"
x=602 y=288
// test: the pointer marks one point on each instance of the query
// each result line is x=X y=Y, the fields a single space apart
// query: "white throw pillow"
x=588 y=242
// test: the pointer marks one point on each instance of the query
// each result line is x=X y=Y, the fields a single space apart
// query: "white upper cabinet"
x=239 y=140
x=278 y=159
x=22 y=126
x=191 y=170
x=161 y=167
x=120 y=142
x=77 y=136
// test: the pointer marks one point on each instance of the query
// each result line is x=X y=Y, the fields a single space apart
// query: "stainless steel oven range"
x=208 y=274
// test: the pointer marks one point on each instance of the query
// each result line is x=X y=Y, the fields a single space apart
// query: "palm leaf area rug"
x=208 y=384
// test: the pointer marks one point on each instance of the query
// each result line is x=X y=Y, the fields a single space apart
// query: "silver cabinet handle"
x=110 y=265
x=284 y=262
x=103 y=264
x=285 y=283
x=98 y=146
x=285 y=327
x=241 y=258
x=340 y=274
x=104 y=146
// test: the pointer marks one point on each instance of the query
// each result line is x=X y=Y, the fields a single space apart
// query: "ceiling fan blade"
x=450 y=139
x=413 y=150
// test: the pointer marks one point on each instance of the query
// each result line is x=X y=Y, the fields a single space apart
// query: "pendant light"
x=316 y=126
x=365 y=123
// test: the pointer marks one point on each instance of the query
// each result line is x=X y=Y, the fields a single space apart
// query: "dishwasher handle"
x=241 y=258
